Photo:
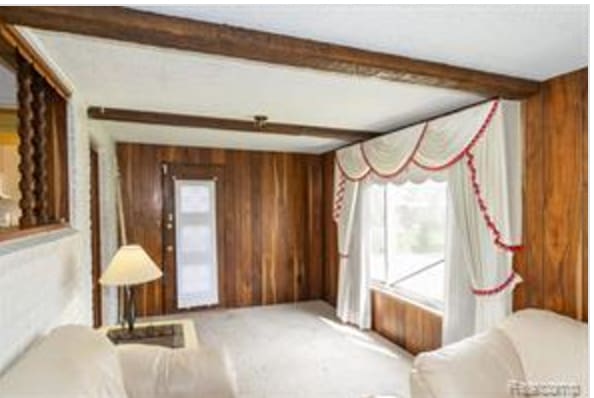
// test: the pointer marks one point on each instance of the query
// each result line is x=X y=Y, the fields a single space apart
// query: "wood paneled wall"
x=273 y=220
x=554 y=264
x=414 y=328
x=331 y=257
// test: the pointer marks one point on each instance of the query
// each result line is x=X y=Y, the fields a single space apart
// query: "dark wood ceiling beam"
x=135 y=26
x=247 y=126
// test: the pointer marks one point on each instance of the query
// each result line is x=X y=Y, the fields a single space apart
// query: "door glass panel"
x=194 y=199
x=196 y=259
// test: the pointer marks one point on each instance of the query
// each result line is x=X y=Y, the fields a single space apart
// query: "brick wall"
x=45 y=280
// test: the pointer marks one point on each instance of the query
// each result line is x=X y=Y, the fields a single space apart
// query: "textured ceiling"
x=530 y=41
x=115 y=74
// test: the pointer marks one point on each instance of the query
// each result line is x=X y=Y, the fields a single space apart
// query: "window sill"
x=7 y=237
x=399 y=295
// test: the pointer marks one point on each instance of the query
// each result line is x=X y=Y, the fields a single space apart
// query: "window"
x=33 y=151
x=196 y=251
x=408 y=225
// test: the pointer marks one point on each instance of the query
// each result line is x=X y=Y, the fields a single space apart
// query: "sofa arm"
x=481 y=366
x=158 y=372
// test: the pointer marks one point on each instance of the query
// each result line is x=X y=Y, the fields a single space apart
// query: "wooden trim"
x=246 y=126
x=27 y=164
x=14 y=38
x=142 y=27
x=398 y=296
x=404 y=323
x=22 y=233
x=40 y=142
x=96 y=239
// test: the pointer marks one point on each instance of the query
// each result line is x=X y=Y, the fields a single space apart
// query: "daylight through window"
x=408 y=239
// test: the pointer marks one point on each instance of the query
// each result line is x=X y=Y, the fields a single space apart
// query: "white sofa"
x=532 y=349
x=77 y=362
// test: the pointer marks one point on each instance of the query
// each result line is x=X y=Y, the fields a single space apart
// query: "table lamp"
x=130 y=266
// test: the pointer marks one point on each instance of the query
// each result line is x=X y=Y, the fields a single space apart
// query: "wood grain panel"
x=238 y=125
x=554 y=264
x=529 y=263
x=57 y=174
x=272 y=217
x=26 y=147
x=413 y=328
x=136 y=26
x=331 y=258
x=583 y=315
x=95 y=238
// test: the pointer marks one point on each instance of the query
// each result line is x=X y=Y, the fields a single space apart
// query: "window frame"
x=392 y=288
x=45 y=106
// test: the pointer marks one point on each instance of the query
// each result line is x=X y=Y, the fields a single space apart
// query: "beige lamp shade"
x=130 y=266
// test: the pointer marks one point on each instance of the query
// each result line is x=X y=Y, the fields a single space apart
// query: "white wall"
x=108 y=178
x=45 y=280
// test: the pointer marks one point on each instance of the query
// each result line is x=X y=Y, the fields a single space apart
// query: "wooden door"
x=173 y=172
x=95 y=238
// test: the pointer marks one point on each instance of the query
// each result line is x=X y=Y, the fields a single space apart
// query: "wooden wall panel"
x=273 y=220
x=554 y=263
x=331 y=257
x=411 y=327
x=529 y=263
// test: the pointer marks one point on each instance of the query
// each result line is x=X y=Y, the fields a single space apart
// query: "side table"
x=183 y=334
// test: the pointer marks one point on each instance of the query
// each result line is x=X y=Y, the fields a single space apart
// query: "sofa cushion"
x=70 y=362
x=481 y=366
x=553 y=348
x=158 y=372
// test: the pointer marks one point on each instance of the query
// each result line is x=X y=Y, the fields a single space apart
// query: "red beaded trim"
x=477 y=136
x=483 y=207
x=339 y=198
x=404 y=166
x=497 y=289
x=470 y=163
x=346 y=176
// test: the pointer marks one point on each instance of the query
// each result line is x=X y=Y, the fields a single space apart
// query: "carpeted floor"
x=301 y=350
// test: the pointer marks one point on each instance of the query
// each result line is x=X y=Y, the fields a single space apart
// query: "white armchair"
x=77 y=362
x=531 y=346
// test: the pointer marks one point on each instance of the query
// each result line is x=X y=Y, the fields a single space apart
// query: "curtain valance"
x=477 y=137
x=431 y=146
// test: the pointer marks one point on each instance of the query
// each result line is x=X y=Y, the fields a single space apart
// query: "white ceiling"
x=115 y=74
x=528 y=41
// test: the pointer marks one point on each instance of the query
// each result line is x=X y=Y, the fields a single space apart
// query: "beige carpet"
x=302 y=350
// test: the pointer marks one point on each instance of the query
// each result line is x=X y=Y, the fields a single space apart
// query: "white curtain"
x=487 y=266
x=354 y=297
x=479 y=150
x=459 y=302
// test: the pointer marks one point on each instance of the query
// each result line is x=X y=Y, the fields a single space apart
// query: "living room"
x=261 y=201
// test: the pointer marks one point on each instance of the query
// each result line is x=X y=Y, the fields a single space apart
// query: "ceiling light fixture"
x=260 y=121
